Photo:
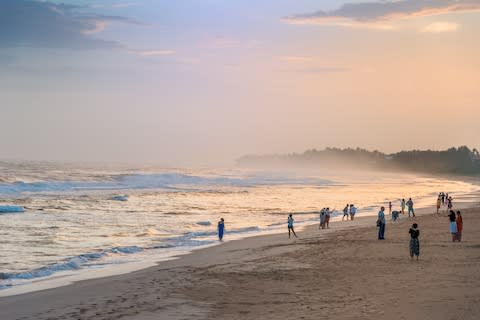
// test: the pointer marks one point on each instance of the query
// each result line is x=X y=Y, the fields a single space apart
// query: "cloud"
x=324 y=69
x=308 y=64
x=221 y=42
x=47 y=24
x=380 y=15
x=296 y=59
x=152 y=53
x=114 y=5
x=123 y=4
x=439 y=27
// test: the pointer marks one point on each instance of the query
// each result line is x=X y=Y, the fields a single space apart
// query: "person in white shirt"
x=327 y=217
x=323 y=215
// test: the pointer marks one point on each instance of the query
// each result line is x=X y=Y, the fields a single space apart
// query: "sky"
x=203 y=82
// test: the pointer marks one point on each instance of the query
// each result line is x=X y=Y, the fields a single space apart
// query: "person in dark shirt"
x=345 y=212
x=414 y=241
x=221 y=229
x=381 y=223
x=453 y=224
x=395 y=215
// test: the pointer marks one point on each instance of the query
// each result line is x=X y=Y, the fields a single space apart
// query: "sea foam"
x=11 y=209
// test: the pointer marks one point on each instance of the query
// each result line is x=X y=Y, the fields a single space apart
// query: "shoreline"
x=113 y=270
x=105 y=291
x=68 y=278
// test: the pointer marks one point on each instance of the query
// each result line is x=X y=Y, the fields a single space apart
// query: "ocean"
x=61 y=222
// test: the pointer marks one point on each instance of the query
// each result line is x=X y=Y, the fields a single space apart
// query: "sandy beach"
x=340 y=273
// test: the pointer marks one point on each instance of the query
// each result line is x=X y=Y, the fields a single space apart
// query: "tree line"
x=459 y=160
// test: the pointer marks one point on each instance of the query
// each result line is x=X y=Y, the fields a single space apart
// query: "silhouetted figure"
x=414 y=241
x=381 y=224
x=221 y=229
x=345 y=212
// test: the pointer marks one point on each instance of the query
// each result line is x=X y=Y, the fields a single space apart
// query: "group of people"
x=403 y=205
x=456 y=225
x=456 y=222
x=381 y=219
x=349 y=211
x=325 y=214
x=444 y=199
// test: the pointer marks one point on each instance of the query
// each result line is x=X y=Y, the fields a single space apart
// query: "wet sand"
x=340 y=273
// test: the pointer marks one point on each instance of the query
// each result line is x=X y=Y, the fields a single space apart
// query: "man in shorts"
x=410 y=208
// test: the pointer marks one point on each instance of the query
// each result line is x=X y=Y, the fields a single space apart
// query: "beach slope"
x=341 y=273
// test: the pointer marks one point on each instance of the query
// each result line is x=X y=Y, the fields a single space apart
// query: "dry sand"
x=342 y=273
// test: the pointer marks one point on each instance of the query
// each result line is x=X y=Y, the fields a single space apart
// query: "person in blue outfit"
x=381 y=224
x=290 y=226
x=353 y=211
x=395 y=215
x=410 y=208
x=221 y=229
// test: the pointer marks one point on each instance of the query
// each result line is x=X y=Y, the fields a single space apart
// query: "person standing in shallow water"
x=290 y=226
x=414 y=241
x=345 y=212
x=381 y=224
x=221 y=229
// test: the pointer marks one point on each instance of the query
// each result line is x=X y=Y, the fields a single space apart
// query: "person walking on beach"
x=322 y=218
x=345 y=212
x=221 y=229
x=290 y=226
x=414 y=241
x=381 y=224
x=459 y=222
x=327 y=217
x=449 y=203
x=402 y=205
x=410 y=208
x=453 y=224
x=439 y=203
x=353 y=211
x=390 y=207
